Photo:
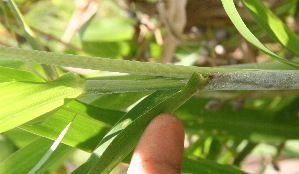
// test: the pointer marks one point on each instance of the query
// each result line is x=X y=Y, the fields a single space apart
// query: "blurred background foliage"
x=255 y=130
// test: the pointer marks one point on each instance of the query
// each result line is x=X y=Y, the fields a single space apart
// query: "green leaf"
x=247 y=123
x=122 y=138
x=50 y=151
x=113 y=29
x=31 y=38
x=106 y=49
x=25 y=158
x=233 y=14
x=264 y=65
x=107 y=37
x=29 y=34
x=10 y=74
x=118 y=101
x=19 y=138
x=88 y=127
x=272 y=25
x=207 y=167
x=287 y=8
x=243 y=154
x=22 y=102
x=7 y=147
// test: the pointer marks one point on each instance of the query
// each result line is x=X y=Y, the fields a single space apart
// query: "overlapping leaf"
x=233 y=14
x=273 y=25
x=251 y=124
x=208 y=167
x=31 y=37
x=122 y=138
x=26 y=158
x=22 y=102
x=10 y=74
x=90 y=124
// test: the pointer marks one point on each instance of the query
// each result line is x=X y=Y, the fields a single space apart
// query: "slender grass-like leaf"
x=88 y=127
x=273 y=25
x=207 y=167
x=110 y=36
x=288 y=8
x=7 y=147
x=243 y=154
x=123 y=137
x=51 y=150
x=10 y=74
x=29 y=34
x=120 y=102
x=252 y=124
x=22 y=102
x=87 y=130
x=233 y=14
x=25 y=158
x=264 y=66
x=20 y=138
x=31 y=38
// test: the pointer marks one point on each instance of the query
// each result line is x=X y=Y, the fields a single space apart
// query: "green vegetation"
x=89 y=76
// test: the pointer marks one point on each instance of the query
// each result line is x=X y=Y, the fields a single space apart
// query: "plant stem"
x=123 y=86
x=106 y=64
x=220 y=78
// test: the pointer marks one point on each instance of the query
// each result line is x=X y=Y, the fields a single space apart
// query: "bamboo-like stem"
x=220 y=78
x=106 y=64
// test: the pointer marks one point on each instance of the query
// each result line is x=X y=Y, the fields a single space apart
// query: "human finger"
x=160 y=149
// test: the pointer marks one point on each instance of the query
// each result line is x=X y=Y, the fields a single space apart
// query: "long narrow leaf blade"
x=29 y=34
x=272 y=25
x=31 y=38
x=50 y=151
x=22 y=102
x=25 y=158
x=122 y=138
x=10 y=74
x=256 y=124
x=207 y=167
x=89 y=126
x=233 y=14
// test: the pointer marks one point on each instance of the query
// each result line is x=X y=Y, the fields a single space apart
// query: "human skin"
x=160 y=148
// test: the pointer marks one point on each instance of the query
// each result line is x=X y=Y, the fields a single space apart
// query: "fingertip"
x=160 y=149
